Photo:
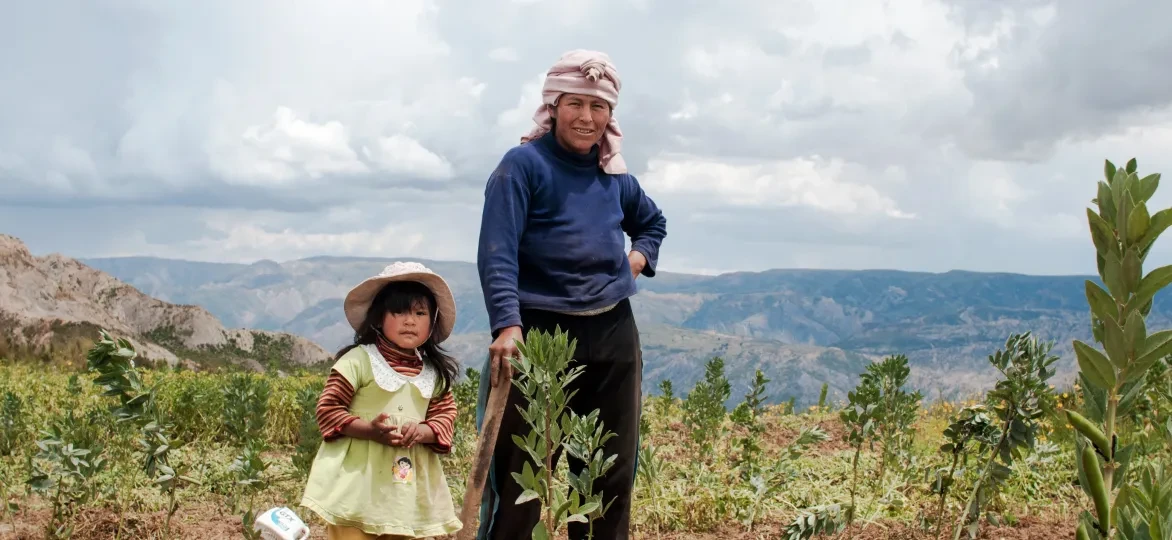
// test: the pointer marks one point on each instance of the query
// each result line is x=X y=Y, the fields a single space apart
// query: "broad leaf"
x=1135 y=334
x=1143 y=363
x=1094 y=365
x=1114 y=343
x=1155 y=342
x=1147 y=186
x=1102 y=235
x=588 y=508
x=526 y=496
x=1151 y=284
x=1160 y=221
x=1118 y=184
x=1102 y=305
x=1132 y=271
x=1126 y=207
x=1113 y=275
x=1131 y=391
x=1106 y=202
x=1138 y=223
x=1095 y=405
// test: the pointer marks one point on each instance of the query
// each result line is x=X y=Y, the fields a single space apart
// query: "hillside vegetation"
x=243 y=441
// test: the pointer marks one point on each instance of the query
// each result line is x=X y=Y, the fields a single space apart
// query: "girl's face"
x=408 y=330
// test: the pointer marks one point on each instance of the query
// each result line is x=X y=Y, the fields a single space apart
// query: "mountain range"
x=802 y=328
x=52 y=308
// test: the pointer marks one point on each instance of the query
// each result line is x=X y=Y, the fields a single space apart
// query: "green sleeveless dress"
x=377 y=488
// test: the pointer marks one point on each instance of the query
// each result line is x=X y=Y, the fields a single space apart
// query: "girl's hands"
x=381 y=423
x=411 y=433
x=406 y=435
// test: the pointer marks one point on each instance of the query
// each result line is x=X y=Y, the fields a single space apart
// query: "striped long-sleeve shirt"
x=333 y=408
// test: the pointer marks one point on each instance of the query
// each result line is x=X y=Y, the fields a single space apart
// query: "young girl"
x=387 y=411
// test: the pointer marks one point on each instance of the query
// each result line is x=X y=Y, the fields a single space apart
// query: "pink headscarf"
x=584 y=72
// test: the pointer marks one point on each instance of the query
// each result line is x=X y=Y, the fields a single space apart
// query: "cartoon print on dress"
x=403 y=472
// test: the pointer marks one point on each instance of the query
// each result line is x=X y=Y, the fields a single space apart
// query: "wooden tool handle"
x=498 y=397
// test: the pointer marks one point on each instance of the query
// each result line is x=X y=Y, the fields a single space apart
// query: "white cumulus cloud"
x=812 y=182
x=401 y=154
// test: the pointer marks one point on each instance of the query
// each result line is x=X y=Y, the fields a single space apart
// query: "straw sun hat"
x=359 y=298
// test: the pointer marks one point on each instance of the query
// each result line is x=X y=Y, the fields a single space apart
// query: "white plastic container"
x=281 y=524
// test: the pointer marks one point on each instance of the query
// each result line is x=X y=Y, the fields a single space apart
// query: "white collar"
x=390 y=380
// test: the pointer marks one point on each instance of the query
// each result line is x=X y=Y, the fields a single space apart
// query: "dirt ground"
x=207 y=524
x=1027 y=529
x=779 y=436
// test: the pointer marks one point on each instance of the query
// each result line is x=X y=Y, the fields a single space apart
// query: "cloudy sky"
x=915 y=134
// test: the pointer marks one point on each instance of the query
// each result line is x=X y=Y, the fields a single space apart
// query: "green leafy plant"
x=585 y=444
x=68 y=460
x=248 y=470
x=1123 y=232
x=971 y=425
x=859 y=418
x=895 y=409
x=703 y=408
x=1148 y=414
x=769 y=482
x=309 y=435
x=748 y=415
x=817 y=520
x=1149 y=514
x=666 y=391
x=12 y=422
x=246 y=398
x=1020 y=399
x=544 y=376
x=879 y=409
x=651 y=474
x=822 y=396
x=113 y=362
x=666 y=400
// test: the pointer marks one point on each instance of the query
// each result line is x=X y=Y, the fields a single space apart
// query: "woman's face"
x=581 y=121
x=408 y=330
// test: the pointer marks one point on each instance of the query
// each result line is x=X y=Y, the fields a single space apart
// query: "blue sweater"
x=551 y=234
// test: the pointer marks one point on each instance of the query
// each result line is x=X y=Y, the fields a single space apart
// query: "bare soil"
x=777 y=436
x=207 y=523
x=1027 y=529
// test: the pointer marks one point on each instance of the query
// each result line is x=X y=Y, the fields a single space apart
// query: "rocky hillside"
x=52 y=307
x=802 y=327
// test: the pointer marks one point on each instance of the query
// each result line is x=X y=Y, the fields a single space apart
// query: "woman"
x=552 y=254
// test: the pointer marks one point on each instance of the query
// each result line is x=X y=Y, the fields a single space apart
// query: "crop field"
x=106 y=450
x=243 y=441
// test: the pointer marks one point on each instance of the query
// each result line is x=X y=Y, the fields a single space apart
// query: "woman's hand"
x=502 y=350
x=638 y=263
